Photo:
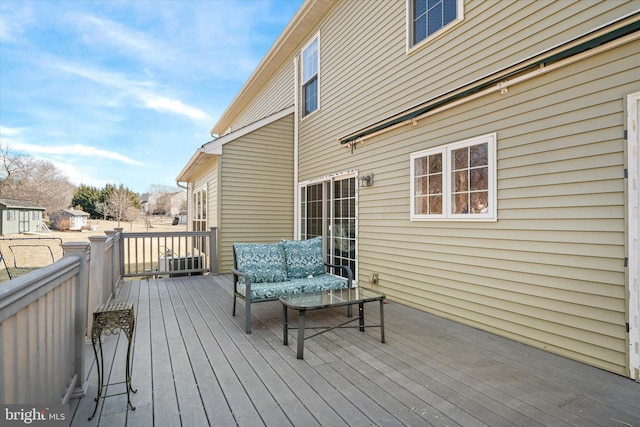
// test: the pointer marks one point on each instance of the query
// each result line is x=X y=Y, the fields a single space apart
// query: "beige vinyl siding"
x=550 y=272
x=257 y=188
x=366 y=71
x=208 y=181
x=276 y=96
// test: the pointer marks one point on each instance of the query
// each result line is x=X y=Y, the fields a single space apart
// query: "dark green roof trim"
x=430 y=105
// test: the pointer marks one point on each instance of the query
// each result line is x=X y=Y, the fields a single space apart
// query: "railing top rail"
x=165 y=234
x=35 y=282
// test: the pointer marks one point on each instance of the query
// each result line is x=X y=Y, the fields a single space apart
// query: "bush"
x=62 y=224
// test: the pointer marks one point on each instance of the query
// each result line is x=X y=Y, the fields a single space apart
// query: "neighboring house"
x=19 y=216
x=476 y=160
x=169 y=203
x=78 y=220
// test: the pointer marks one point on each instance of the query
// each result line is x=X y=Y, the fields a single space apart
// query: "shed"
x=19 y=216
x=78 y=219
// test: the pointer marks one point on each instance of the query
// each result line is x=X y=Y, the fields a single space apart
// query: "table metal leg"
x=381 y=320
x=301 y=314
x=285 y=325
x=361 y=314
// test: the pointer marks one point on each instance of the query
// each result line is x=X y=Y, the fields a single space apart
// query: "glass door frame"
x=330 y=201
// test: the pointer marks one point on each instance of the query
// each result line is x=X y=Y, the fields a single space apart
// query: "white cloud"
x=139 y=90
x=9 y=132
x=175 y=106
x=74 y=150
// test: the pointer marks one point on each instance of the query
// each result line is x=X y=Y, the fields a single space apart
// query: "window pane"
x=419 y=7
x=311 y=96
x=460 y=181
x=435 y=163
x=420 y=186
x=460 y=204
x=478 y=155
x=420 y=166
x=460 y=158
x=449 y=13
x=479 y=179
x=434 y=18
x=435 y=204
x=419 y=29
x=435 y=184
x=310 y=61
x=421 y=206
x=479 y=202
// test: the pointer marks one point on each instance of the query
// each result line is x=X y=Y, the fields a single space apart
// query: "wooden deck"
x=194 y=366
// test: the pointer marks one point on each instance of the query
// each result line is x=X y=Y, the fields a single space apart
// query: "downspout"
x=296 y=213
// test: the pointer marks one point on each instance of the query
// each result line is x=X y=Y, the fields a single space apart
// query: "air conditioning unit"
x=181 y=265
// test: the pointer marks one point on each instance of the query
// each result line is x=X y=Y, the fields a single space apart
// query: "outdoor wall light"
x=366 y=180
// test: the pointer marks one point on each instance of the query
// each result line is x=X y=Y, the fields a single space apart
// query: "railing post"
x=96 y=275
x=80 y=250
x=120 y=240
x=116 y=260
x=213 y=248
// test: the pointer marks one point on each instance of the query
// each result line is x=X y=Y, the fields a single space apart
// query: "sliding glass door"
x=328 y=208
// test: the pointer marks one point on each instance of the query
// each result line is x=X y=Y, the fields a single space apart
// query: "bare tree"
x=34 y=180
x=102 y=208
x=121 y=204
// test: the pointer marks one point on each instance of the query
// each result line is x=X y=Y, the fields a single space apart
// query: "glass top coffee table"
x=328 y=299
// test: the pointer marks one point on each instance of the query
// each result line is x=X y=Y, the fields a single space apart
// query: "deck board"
x=193 y=365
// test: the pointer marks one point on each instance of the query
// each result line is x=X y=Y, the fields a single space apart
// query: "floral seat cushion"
x=264 y=290
x=261 y=262
x=304 y=257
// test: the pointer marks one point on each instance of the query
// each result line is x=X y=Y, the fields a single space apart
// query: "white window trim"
x=304 y=116
x=422 y=43
x=492 y=213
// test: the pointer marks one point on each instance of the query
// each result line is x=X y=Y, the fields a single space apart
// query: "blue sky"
x=123 y=92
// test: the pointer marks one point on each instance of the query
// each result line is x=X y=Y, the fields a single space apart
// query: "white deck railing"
x=178 y=253
x=42 y=331
x=46 y=315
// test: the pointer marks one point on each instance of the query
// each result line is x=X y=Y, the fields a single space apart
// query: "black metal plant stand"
x=112 y=318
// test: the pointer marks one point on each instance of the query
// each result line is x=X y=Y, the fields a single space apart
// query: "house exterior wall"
x=256 y=188
x=276 y=96
x=550 y=272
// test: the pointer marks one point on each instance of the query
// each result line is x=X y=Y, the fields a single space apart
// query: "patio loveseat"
x=265 y=271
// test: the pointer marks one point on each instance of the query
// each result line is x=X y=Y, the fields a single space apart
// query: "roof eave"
x=294 y=34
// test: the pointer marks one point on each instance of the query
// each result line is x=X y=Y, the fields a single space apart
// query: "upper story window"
x=429 y=17
x=310 y=81
x=456 y=181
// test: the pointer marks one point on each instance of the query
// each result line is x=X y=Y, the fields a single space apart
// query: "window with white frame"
x=310 y=80
x=199 y=210
x=456 y=181
x=11 y=215
x=429 y=17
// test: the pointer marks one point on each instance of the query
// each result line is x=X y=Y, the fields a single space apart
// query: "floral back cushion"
x=261 y=262
x=304 y=257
